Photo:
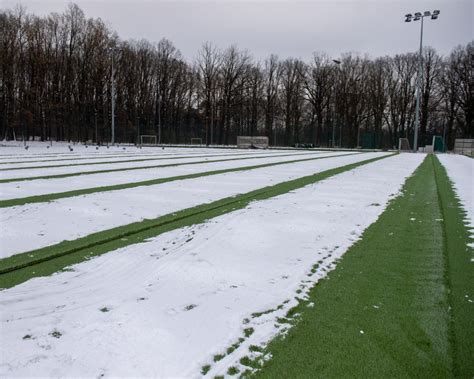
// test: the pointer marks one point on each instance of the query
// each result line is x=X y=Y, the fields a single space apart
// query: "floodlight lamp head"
x=417 y=14
x=427 y=13
x=417 y=19
x=436 y=12
x=434 y=17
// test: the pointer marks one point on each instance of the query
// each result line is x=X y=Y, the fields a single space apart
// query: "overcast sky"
x=287 y=28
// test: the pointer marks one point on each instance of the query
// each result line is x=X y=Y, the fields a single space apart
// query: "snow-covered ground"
x=460 y=171
x=163 y=308
x=36 y=187
x=94 y=153
x=11 y=149
x=103 y=158
x=44 y=171
x=71 y=218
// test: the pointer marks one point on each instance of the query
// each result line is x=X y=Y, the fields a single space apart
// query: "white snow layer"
x=33 y=226
x=13 y=150
x=33 y=173
x=21 y=163
x=460 y=171
x=15 y=190
x=9 y=152
x=178 y=299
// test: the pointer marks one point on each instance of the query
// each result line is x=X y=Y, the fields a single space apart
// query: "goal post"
x=404 y=144
x=196 y=141
x=439 y=144
x=246 y=142
x=148 y=140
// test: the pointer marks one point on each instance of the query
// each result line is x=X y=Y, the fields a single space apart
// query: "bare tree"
x=271 y=78
x=293 y=96
x=318 y=78
x=235 y=64
x=55 y=83
x=208 y=63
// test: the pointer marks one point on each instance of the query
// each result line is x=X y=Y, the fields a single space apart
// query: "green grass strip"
x=94 y=155
x=384 y=310
x=59 y=176
x=21 y=267
x=140 y=160
x=86 y=191
x=459 y=274
x=48 y=155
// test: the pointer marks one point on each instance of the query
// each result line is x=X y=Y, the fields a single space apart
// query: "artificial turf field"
x=46 y=261
x=397 y=303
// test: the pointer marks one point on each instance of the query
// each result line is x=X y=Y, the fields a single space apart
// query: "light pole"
x=112 y=78
x=444 y=137
x=96 y=134
x=333 y=127
x=212 y=119
x=358 y=137
x=337 y=62
x=138 y=130
x=158 y=98
x=416 y=17
x=274 y=132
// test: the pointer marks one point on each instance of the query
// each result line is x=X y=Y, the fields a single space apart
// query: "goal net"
x=196 y=141
x=147 y=140
x=245 y=142
x=403 y=144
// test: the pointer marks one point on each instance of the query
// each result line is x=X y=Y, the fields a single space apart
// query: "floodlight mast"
x=112 y=95
x=419 y=16
x=337 y=62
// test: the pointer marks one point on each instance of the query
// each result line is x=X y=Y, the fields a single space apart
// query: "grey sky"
x=287 y=28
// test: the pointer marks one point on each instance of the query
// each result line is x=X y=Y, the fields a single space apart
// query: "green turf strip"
x=21 y=267
x=86 y=191
x=59 y=176
x=100 y=155
x=51 y=155
x=80 y=158
x=459 y=274
x=384 y=311
x=145 y=160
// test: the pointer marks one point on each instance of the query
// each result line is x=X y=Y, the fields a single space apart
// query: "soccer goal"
x=403 y=144
x=147 y=140
x=196 y=141
x=439 y=144
x=246 y=142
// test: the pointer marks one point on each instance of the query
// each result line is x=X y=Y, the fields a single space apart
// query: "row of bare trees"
x=56 y=75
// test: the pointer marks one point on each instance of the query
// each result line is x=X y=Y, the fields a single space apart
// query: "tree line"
x=56 y=84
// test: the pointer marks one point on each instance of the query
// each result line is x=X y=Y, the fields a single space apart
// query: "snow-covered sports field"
x=245 y=234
